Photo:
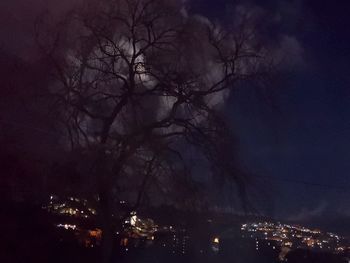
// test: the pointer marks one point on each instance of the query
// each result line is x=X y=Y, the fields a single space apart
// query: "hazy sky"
x=302 y=131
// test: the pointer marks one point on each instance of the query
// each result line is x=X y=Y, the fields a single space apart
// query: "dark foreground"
x=28 y=236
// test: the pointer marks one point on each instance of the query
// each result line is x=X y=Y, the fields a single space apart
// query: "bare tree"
x=138 y=81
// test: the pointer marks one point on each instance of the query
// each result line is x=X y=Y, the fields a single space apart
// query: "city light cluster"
x=294 y=236
x=70 y=206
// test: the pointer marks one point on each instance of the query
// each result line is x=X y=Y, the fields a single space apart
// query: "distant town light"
x=67 y=226
x=133 y=220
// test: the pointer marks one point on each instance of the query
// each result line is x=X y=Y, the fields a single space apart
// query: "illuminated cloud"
x=310 y=213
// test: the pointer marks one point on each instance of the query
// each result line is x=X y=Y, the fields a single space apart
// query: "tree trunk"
x=104 y=175
x=107 y=227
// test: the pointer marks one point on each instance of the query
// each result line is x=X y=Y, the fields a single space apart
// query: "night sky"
x=298 y=139
x=297 y=136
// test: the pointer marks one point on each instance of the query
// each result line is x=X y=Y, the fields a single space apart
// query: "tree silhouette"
x=140 y=82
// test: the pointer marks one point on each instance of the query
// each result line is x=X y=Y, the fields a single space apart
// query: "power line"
x=271 y=178
x=294 y=181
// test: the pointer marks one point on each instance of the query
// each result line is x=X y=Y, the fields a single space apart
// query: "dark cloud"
x=17 y=19
x=307 y=139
